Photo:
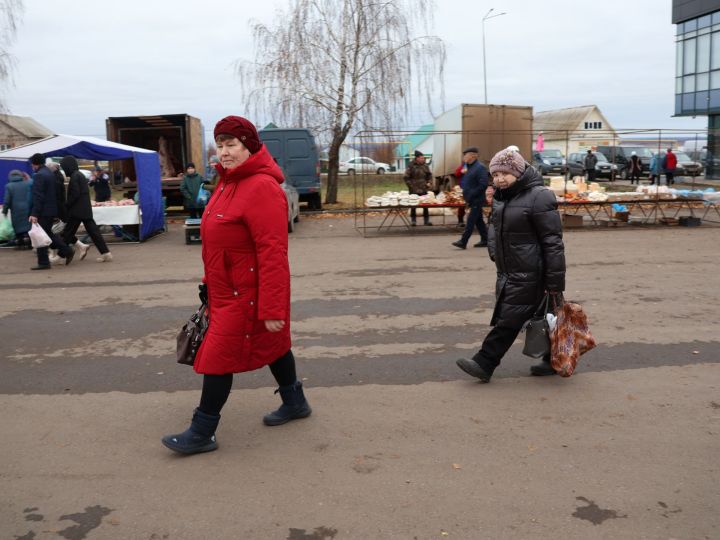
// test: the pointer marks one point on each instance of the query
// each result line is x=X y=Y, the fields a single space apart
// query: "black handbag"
x=537 y=332
x=191 y=336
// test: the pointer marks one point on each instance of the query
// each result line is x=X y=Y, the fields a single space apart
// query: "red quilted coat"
x=244 y=249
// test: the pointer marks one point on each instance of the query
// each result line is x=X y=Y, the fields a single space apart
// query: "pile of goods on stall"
x=404 y=198
x=578 y=191
x=121 y=202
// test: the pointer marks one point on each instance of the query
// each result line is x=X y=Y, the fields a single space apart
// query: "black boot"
x=542 y=369
x=294 y=405
x=199 y=437
x=472 y=367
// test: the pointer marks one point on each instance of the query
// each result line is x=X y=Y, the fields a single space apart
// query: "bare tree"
x=335 y=65
x=10 y=13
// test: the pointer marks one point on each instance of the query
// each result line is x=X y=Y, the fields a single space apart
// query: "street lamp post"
x=485 y=18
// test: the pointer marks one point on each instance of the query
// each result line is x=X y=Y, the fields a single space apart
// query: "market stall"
x=647 y=204
x=393 y=209
x=148 y=214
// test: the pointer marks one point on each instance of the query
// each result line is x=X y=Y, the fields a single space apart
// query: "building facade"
x=575 y=129
x=697 y=68
x=19 y=130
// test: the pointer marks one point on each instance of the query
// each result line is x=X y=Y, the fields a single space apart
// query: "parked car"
x=709 y=162
x=295 y=151
x=603 y=168
x=685 y=165
x=363 y=165
x=293 y=200
x=549 y=162
x=620 y=155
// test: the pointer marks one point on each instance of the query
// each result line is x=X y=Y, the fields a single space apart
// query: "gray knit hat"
x=508 y=161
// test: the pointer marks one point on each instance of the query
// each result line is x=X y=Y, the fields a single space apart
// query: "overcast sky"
x=80 y=61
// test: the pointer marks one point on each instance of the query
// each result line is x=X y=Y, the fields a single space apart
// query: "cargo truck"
x=489 y=127
x=178 y=139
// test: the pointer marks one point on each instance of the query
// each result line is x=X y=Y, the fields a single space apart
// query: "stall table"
x=393 y=214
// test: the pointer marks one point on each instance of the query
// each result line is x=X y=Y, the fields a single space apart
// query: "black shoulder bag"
x=537 y=332
x=191 y=336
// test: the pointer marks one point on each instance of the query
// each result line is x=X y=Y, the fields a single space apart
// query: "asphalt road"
x=401 y=444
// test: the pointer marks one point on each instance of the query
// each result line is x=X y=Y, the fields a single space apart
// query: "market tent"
x=147 y=169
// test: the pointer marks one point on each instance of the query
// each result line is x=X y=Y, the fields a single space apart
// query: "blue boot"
x=294 y=406
x=199 y=437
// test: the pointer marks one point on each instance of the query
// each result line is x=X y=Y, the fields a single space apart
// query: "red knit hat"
x=242 y=128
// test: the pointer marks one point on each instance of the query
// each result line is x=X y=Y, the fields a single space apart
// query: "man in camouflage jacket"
x=417 y=178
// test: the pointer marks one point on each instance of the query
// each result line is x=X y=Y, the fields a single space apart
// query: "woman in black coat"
x=525 y=242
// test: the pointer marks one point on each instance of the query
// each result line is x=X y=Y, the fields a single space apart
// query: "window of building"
x=679 y=58
x=715 y=80
x=691 y=25
x=689 y=56
x=587 y=125
x=715 y=51
x=716 y=17
x=689 y=83
x=702 y=82
x=5 y=147
x=704 y=21
x=703 y=54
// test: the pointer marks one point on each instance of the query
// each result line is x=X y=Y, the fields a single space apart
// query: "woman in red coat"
x=246 y=285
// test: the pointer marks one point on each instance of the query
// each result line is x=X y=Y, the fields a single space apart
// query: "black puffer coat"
x=525 y=241
x=78 y=193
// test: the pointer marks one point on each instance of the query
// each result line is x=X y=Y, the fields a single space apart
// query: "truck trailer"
x=489 y=127
x=178 y=139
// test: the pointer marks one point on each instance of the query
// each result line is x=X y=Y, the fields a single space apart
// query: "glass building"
x=697 y=67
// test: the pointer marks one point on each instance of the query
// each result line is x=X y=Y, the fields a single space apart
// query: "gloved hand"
x=203 y=293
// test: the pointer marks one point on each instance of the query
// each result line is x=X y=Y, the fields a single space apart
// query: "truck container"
x=178 y=139
x=489 y=127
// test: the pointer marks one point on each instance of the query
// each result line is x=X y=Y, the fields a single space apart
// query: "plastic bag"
x=39 y=237
x=570 y=339
x=58 y=227
x=6 y=229
x=202 y=196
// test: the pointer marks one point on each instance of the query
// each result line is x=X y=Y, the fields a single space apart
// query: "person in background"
x=475 y=182
x=589 y=165
x=669 y=164
x=18 y=197
x=655 y=169
x=635 y=167
x=100 y=182
x=189 y=187
x=458 y=174
x=59 y=190
x=212 y=174
x=525 y=242
x=44 y=210
x=79 y=210
x=246 y=286
x=417 y=179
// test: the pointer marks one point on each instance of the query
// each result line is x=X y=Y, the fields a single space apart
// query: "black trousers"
x=635 y=175
x=670 y=176
x=216 y=388
x=495 y=345
x=57 y=243
x=474 y=219
x=92 y=229
x=591 y=173
x=426 y=214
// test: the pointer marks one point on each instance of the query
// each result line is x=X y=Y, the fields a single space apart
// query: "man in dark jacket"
x=525 y=242
x=44 y=210
x=589 y=165
x=417 y=178
x=79 y=210
x=100 y=182
x=475 y=182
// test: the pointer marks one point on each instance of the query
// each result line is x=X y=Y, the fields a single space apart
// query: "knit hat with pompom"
x=509 y=161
